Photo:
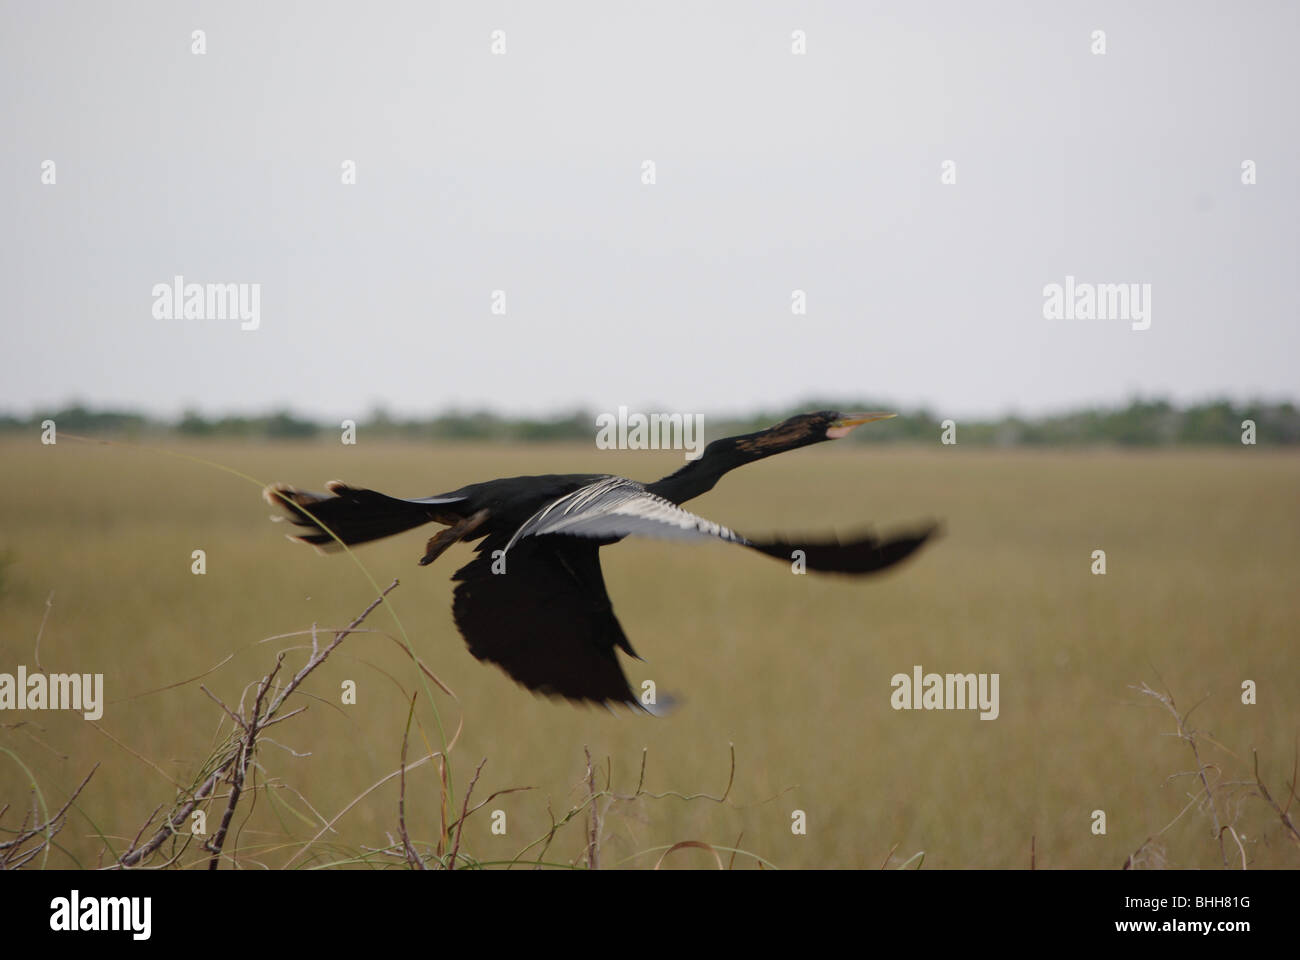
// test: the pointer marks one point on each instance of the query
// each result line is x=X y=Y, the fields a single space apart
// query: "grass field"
x=1200 y=595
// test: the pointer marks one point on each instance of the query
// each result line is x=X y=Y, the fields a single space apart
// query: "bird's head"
x=842 y=424
x=828 y=424
x=805 y=429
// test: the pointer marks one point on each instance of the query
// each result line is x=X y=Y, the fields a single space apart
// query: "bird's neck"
x=719 y=457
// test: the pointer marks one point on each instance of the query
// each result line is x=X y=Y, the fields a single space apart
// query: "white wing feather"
x=617 y=507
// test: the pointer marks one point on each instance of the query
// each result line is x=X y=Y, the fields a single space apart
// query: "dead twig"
x=593 y=844
x=252 y=727
x=1188 y=735
x=1282 y=812
x=12 y=853
x=236 y=763
x=409 y=851
x=460 y=824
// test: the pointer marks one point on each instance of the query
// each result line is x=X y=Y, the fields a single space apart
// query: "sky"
x=920 y=171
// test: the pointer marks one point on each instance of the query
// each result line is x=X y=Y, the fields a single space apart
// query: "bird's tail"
x=348 y=515
x=866 y=554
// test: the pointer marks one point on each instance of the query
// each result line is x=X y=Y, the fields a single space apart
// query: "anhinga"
x=533 y=600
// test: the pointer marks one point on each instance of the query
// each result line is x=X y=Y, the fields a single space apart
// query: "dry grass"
x=1202 y=551
x=1225 y=802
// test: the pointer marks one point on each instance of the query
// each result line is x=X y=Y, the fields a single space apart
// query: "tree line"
x=1141 y=423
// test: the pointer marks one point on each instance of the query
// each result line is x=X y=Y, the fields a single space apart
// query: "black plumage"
x=533 y=599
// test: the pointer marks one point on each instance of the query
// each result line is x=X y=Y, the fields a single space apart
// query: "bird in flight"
x=533 y=599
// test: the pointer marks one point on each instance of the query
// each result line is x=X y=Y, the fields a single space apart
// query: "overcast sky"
x=523 y=172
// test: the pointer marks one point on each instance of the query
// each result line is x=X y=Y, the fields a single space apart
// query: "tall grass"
x=1203 y=551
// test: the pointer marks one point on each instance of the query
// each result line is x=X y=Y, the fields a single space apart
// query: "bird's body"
x=533 y=599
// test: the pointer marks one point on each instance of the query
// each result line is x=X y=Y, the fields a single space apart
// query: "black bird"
x=533 y=600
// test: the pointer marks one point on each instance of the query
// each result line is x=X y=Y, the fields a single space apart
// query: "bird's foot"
x=443 y=539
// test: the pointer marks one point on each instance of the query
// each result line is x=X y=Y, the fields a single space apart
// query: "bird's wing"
x=864 y=553
x=536 y=605
x=542 y=614
x=617 y=507
x=614 y=507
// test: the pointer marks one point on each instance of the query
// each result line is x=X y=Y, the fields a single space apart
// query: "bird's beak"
x=845 y=424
